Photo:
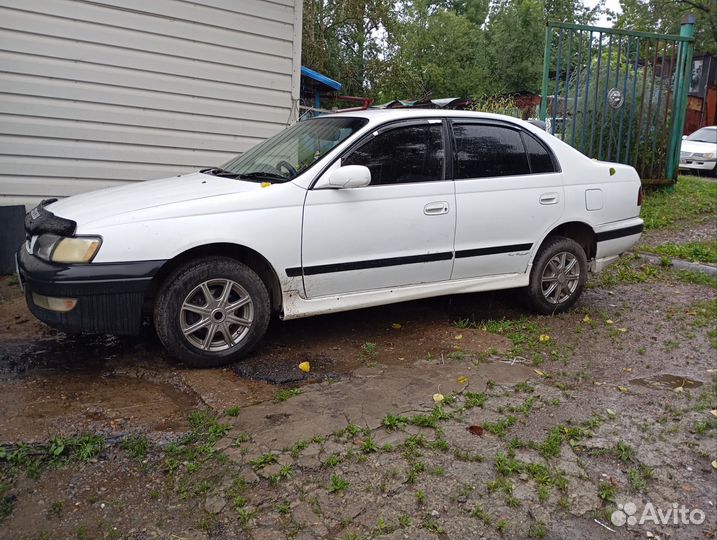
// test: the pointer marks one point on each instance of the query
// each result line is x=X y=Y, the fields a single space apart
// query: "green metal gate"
x=618 y=95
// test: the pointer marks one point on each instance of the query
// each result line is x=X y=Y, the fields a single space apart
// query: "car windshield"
x=292 y=151
x=708 y=135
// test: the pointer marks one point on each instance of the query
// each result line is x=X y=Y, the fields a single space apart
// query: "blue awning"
x=323 y=79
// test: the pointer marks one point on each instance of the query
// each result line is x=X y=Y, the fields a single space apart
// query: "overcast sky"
x=613 y=5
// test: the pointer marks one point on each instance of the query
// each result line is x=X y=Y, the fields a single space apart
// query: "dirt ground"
x=456 y=417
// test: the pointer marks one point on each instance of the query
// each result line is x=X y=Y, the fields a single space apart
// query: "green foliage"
x=283 y=395
x=705 y=251
x=690 y=201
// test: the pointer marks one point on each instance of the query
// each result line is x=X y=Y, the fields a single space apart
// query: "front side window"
x=483 y=151
x=292 y=151
x=402 y=155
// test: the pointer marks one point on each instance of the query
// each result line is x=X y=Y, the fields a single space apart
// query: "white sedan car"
x=335 y=213
x=698 y=153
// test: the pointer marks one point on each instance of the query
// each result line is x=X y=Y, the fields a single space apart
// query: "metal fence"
x=618 y=95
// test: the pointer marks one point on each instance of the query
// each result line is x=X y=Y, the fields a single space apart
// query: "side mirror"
x=350 y=176
x=684 y=137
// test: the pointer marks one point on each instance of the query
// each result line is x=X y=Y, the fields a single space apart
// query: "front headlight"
x=708 y=155
x=64 y=249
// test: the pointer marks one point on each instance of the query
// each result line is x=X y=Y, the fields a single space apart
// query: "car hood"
x=106 y=203
x=696 y=146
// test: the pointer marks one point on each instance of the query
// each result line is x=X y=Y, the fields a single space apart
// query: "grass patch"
x=704 y=252
x=691 y=200
x=283 y=395
x=136 y=446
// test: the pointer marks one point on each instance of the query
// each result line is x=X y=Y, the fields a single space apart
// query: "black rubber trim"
x=619 y=233
x=494 y=250
x=397 y=261
x=364 y=265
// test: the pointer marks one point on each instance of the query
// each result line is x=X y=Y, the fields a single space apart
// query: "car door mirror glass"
x=349 y=176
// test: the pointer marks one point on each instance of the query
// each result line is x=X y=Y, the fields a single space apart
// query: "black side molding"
x=619 y=233
x=396 y=261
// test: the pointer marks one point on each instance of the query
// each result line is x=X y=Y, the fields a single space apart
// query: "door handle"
x=549 y=198
x=436 y=208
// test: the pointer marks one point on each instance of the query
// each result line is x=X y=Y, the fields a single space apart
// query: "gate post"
x=546 y=71
x=683 y=76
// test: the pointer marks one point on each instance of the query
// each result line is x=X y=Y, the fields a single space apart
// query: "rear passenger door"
x=509 y=191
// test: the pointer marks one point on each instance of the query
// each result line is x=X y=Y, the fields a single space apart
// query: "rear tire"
x=558 y=275
x=212 y=312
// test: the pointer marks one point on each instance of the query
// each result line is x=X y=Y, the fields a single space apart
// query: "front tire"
x=558 y=275
x=212 y=312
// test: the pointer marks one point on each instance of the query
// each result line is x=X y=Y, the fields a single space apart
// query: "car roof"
x=383 y=115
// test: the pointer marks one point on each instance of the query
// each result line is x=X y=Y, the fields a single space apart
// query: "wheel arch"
x=253 y=259
x=579 y=231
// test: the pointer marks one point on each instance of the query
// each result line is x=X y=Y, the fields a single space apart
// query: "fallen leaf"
x=459 y=336
x=265 y=184
x=609 y=321
x=396 y=326
x=587 y=319
x=622 y=329
x=305 y=367
x=623 y=389
x=610 y=412
x=714 y=463
x=462 y=379
x=539 y=372
x=713 y=412
x=627 y=369
x=679 y=389
x=544 y=337
x=475 y=430
x=438 y=398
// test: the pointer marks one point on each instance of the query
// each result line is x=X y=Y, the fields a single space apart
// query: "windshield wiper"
x=259 y=175
x=218 y=171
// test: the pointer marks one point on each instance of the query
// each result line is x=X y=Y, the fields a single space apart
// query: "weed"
x=537 y=530
x=481 y=514
x=55 y=509
x=606 y=492
x=136 y=446
x=369 y=446
x=368 y=349
x=501 y=525
x=286 y=393
x=394 y=422
x=624 y=451
x=337 y=483
x=474 y=399
x=420 y=497
x=332 y=460
x=89 y=446
x=232 y=411
x=550 y=447
x=499 y=428
x=264 y=459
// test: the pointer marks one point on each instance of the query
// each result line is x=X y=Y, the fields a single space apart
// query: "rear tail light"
x=639 y=196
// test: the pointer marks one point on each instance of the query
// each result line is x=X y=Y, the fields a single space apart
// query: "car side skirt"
x=295 y=307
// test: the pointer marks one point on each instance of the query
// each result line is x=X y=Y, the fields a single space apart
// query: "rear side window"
x=483 y=151
x=403 y=155
x=540 y=160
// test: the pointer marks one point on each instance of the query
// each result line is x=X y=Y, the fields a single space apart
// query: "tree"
x=665 y=16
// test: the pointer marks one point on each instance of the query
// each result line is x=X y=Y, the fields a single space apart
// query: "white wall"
x=93 y=94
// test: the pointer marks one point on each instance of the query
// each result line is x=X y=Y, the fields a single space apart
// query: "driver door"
x=397 y=231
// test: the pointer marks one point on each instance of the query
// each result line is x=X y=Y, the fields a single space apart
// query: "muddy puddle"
x=667 y=382
x=52 y=384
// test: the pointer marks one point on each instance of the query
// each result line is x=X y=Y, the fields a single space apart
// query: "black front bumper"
x=109 y=295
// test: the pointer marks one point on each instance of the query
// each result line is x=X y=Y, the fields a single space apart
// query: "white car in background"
x=335 y=213
x=698 y=153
